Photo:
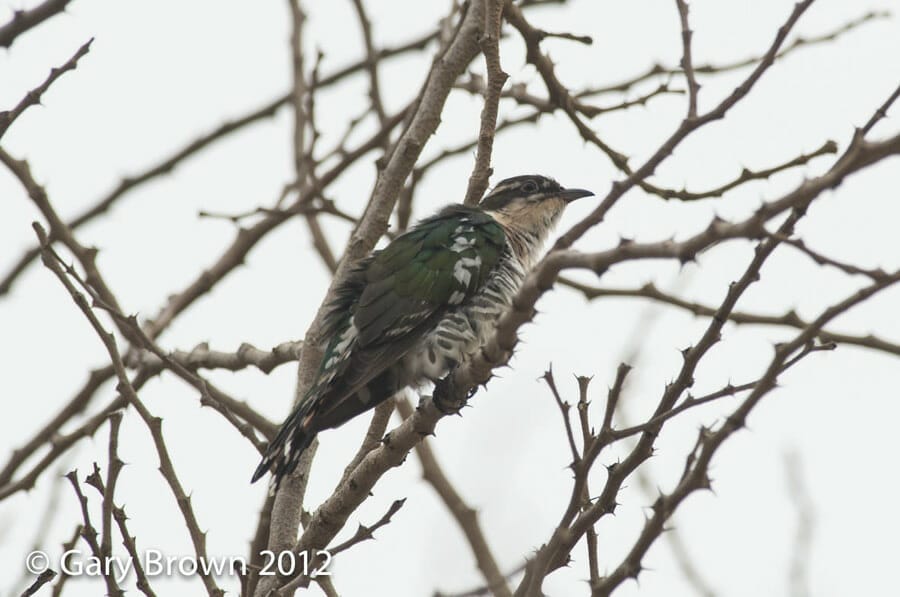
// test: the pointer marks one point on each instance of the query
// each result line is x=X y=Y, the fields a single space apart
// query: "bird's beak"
x=570 y=195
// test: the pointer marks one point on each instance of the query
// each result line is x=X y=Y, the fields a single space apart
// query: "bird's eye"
x=530 y=187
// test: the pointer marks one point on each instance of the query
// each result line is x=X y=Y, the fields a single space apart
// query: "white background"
x=161 y=73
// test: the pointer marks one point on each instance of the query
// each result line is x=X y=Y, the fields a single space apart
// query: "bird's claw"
x=448 y=397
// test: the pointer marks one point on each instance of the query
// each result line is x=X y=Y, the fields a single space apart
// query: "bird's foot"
x=448 y=396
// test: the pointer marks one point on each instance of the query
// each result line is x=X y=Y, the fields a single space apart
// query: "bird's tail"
x=283 y=453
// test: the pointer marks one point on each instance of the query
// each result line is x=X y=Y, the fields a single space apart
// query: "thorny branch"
x=227 y=128
x=490 y=47
x=33 y=97
x=154 y=424
x=788 y=319
x=24 y=20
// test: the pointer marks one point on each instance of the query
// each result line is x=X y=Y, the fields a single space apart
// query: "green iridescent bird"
x=411 y=312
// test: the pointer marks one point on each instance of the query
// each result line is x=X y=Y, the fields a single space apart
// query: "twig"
x=694 y=401
x=128 y=540
x=612 y=397
x=499 y=347
x=587 y=435
x=154 y=424
x=107 y=490
x=302 y=104
x=687 y=63
x=847 y=268
x=89 y=534
x=789 y=319
x=490 y=47
x=746 y=175
x=564 y=411
x=240 y=414
x=59 y=445
x=364 y=533
x=372 y=61
x=696 y=474
x=42 y=579
x=23 y=20
x=564 y=536
x=381 y=415
x=247 y=238
x=128 y=326
x=167 y=165
x=201 y=357
x=686 y=127
x=519 y=93
x=880 y=113
x=47 y=521
x=86 y=256
x=96 y=379
x=34 y=96
x=658 y=70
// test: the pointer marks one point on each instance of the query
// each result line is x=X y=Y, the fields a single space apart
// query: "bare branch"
x=371 y=61
x=564 y=411
x=154 y=424
x=687 y=63
x=490 y=47
x=847 y=268
x=364 y=533
x=23 y=20
x=381 y=415
x=128 y=540
x=34 y=96
x=880 y=113
x=45 y=434
x=745 y=176
x=789 y=319
x=42 y=579
x=89 y=534
x=658 y=70
x=60 y=443
x=201 y=357
x=168 y=164
x=247 y=238
x=686 y=127
x=696 y=474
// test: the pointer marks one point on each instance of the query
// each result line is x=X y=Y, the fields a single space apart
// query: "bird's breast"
x=464 y=329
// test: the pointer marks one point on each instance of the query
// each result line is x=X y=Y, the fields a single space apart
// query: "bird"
x=409 y=313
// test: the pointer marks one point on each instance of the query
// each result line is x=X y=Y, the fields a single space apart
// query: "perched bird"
x=411 y=312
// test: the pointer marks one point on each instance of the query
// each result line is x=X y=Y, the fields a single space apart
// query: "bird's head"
x=531 y=204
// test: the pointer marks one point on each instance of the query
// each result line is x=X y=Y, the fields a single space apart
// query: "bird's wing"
x=400 y=293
